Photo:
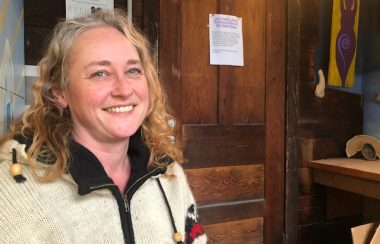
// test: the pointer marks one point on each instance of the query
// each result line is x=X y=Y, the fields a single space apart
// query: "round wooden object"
x=15 y=169
x=177 y=237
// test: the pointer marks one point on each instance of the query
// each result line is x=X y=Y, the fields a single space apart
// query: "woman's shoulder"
x=16 y=185
x=9 y=147
x=22 y=186
x=16 y=196
x=13 y=192
x=176 y=171
x=176 y=181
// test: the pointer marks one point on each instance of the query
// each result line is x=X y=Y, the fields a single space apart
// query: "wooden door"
x=230 y=120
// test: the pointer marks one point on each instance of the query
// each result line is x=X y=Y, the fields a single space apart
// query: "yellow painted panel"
x=343 y=42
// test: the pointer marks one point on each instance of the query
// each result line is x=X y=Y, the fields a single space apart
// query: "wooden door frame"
x=276 y=25
x=292 y=104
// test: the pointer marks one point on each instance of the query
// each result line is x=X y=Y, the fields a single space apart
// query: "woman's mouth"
x=119 y=109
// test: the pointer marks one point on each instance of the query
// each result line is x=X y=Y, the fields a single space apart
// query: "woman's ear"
x=60 y=97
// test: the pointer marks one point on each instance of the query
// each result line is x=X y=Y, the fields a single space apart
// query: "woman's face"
x=107 y=91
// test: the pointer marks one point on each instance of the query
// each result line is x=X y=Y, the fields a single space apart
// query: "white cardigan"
x=54 y=212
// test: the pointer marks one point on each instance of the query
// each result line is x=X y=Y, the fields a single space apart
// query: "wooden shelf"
x=354 y=175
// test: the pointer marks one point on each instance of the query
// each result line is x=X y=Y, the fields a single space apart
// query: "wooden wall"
x=226 y=172
x=317 y=128
x=225 y=151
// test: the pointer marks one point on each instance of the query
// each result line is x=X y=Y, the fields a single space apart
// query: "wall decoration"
x=343 y=42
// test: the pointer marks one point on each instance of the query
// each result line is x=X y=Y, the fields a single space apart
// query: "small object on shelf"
x=368 y=152
x=368 y=146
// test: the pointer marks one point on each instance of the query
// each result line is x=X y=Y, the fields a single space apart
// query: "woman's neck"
x=114 y=160
x=117 y=167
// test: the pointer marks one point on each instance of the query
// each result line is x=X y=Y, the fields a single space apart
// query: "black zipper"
x=126 y=203
x=123 y=201
x=138 y=180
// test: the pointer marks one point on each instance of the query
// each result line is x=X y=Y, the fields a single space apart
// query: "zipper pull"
x=126 y=204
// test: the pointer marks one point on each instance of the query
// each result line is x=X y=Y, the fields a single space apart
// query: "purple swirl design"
x=344 y=54
x=343 y=42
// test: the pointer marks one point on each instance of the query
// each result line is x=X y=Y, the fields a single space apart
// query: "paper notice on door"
x=226 y=40
x=76 y=8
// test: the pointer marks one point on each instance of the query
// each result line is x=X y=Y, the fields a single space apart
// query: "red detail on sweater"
x=196 y=230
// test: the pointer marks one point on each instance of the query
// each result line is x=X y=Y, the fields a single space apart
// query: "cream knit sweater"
x=34 y=212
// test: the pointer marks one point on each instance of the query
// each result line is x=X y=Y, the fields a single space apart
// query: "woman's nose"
x=122 y=87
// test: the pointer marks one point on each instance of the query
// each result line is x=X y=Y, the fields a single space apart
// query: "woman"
x=90 y=161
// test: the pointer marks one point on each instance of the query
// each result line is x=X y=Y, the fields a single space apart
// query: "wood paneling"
x=243 y=231
x=339 y=112
x=311 y=209
x=137 y=12
x=305 y=182
x=332 y=104
x=218 y=213
x=212 y=145
x=319 y=148
x=223 y=183
x=199 y=79
x=170 y=59
x=238 y=85
x=291 y=173
x=275 y=119
x=226 y=172
x=309 y=28
x=340 y=204
x=151 y=21
x=230 y=119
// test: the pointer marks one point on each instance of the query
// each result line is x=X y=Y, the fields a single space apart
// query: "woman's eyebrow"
x=108 y=63
x=101 y=63
x=134 y=61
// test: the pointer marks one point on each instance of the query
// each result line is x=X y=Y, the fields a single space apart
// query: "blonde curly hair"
x=50 y=126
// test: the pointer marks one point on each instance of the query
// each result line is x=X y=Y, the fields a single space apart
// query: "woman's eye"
x=98 y=74
x=134 y=71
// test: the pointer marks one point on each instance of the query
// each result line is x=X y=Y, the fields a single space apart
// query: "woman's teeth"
x=120 y=109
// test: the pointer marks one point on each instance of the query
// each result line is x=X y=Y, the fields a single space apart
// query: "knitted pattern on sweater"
x=54 y=212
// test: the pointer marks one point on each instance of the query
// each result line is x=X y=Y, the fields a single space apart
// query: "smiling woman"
x=106 y=67
x=91 y=159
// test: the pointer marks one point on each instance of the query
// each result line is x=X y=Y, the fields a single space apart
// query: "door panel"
x=242 y=89
x=226 y=172
x=223 y=145
x=230 y=120
x=199 y=80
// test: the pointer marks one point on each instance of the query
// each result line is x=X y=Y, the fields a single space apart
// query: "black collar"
x=89 y=173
